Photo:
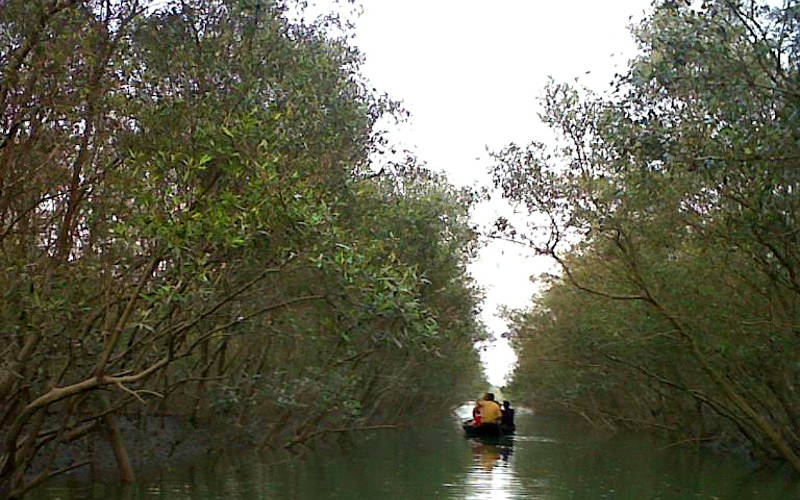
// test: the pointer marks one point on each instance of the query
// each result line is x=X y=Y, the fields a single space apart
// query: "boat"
x=487 y=430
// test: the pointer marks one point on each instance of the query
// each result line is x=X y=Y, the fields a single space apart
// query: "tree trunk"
x=118 y=445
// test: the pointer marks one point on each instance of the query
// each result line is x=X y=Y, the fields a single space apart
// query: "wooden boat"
x=487 y=430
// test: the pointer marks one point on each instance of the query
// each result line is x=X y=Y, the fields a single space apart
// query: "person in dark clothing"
x=507 y=417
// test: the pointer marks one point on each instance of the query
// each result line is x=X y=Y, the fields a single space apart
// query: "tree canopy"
x=191 y=223
x=672 y=208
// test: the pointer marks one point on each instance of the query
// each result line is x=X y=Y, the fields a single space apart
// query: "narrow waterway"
x=549 y=459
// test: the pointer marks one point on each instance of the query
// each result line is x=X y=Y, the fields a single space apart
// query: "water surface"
x=549 y=459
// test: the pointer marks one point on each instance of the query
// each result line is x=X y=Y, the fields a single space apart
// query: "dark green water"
x=550 y=459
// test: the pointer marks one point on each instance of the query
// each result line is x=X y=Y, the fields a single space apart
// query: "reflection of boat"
x=486 y=455
x=489 y=451
x=487 y=430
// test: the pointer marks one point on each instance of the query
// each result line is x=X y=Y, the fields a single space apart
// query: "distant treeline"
x=671 y=207
x=197 y=218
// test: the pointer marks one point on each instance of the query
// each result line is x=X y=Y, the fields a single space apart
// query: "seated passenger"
x=476 y=414
x=488 y=409
x=508 y=415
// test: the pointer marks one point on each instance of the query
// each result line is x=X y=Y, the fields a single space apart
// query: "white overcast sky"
x=470 y=73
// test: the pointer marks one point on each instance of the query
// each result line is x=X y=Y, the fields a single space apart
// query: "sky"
x=470 y=73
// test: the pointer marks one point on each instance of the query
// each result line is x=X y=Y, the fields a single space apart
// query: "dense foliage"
x=672 y=209
x=190 y=225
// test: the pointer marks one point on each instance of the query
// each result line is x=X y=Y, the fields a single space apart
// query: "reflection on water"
x=491 y=475
x=485 y=455
x=549 y=459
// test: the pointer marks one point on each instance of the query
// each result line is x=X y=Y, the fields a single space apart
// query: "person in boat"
x=476 y=414
x=507 y=419
x=487 y=410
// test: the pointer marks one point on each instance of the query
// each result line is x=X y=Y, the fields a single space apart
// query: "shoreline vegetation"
x=154 y=442
x=203 y=230
x=671 y=207
x=200 y=219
